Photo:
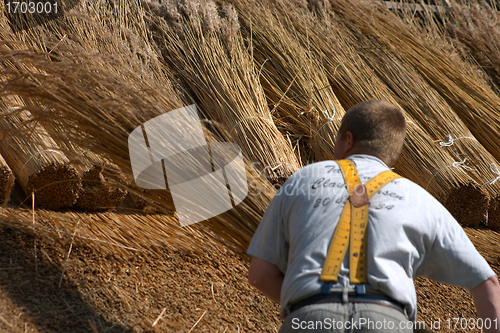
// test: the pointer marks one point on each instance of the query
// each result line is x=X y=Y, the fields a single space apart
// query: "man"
x=408 y=234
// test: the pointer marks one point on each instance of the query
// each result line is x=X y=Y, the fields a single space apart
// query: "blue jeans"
x=350 y=317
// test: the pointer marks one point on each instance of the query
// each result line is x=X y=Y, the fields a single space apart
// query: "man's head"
x=374 y=128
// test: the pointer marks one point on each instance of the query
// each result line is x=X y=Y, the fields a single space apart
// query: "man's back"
x=409 y=234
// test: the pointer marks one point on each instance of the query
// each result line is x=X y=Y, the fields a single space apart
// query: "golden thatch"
x=272 y=76
x=207 y=53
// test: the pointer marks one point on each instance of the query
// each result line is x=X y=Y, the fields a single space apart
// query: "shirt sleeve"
x=453 y=259
x=269 y=241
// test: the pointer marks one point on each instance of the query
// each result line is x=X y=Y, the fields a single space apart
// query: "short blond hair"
x=377 y=126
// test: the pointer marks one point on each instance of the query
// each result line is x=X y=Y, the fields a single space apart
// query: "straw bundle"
x=476 y=40
x=353 y=81
x=100 y=181
x=98 y=192
x=466 y=91
x=440 y=122
x=431 y=111
x=37 y=161
x=99 y=108
x=294 y=81
x=494 y=215
x=207 y=52
x=6 y=181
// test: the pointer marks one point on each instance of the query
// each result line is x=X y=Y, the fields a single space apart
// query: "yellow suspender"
x=351 y=228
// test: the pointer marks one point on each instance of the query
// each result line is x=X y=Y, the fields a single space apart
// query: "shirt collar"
x=368 y=157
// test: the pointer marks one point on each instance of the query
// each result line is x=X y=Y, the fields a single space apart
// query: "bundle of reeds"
x=36 y=159
x=98 y=109
x=102 y=181
x=353 y=81
x=6 y=181
x=293 y=80
x=207 y=52
x=430 y=110
x=40 y=165
x=99 y=191
x=474 y=41
x=465 y=90
x=494 y=215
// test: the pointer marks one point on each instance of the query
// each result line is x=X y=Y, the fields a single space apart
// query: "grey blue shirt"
x=409 y=234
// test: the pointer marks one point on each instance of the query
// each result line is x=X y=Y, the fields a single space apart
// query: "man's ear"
x=349 y=142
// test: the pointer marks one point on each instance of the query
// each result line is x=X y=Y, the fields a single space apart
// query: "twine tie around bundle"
x=451 y=140
x=12 y=110
x=76 y=159
x=81 y=154
x=330 y=119
x=461 y=164
x=457 y=165
x=494 y=169
x=41 y=151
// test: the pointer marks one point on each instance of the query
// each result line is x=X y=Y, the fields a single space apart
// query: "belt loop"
x=345 y=297
x=360 y=289
x=327 y=288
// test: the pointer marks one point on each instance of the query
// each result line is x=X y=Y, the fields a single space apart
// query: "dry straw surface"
x=64 y=286
x=128 y=292
x=270 y=76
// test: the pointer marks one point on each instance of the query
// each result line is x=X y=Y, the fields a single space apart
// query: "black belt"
x=359 y=298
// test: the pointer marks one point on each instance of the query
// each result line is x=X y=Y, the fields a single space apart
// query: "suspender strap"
x=350 y=232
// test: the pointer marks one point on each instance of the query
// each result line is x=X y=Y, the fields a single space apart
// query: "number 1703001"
x=31 y=7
